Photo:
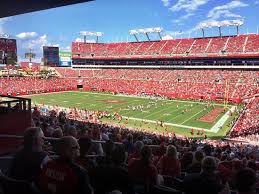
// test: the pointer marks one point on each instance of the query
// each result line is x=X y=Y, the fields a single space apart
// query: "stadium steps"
x=189 y=50
x=135 y=50
x=123 y=51
x=244 y=47
x=208 y=46
x=226 y=44
x=146 y=51
x=175 y=48
x=162 y=46
x=58 y=73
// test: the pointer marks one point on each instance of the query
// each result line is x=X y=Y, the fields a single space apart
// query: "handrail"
x=48 y=138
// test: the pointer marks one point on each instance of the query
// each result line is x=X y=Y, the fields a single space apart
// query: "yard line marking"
x=155 y=112
x=192 y=117
x=179 y=113
x=171 y=124
x=160 y=99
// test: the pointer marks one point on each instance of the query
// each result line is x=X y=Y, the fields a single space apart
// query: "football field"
x=147 y=113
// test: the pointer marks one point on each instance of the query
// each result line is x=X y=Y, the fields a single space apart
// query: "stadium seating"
x=236 y=44
x=231 y=45
x=200 y=45
x=252 y=44
x=184 y=46
x=217 y=45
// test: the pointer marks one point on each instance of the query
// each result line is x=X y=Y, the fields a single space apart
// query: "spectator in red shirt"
x=169 y=163
x=143 y=170
x=63 y=176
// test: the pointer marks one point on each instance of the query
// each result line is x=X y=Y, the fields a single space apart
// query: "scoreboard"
x=51 y=55
x=8 y=51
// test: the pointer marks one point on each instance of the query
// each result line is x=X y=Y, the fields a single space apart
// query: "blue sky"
x=178 y=18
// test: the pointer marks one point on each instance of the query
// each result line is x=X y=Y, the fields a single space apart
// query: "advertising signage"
x=65 y=59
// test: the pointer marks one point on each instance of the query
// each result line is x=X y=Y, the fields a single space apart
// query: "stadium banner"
x=65 y=58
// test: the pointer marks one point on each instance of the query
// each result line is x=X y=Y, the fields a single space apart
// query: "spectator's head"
x=85 y=144
x=72 y=131
x=33 y=138
x=186 y=159
x=57 y=133
x=246 y=181
x=68 y=148
x=146 y=154
x=171 y=152
x=209 y=165
x=198 y=156
x=138 y=146
x=118 y=155
x=207 y=150
x=130 y=138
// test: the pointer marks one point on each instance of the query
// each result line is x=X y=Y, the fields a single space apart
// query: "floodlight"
x=158 y=29
x=99 y=33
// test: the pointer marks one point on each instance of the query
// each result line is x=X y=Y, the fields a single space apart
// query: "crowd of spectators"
x=31 y=85
x=247 y=126
x=187 y=84
x=131 y=161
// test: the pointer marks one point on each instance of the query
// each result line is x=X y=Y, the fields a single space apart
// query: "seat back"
x=158 y=189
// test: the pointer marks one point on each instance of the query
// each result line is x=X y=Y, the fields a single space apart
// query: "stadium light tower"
x=158 y=30
x=220 y=33
x=98 y=34
x=203 y=32
x=146 y=31
x=134 y=32
x=87 y=33
x=237 y=23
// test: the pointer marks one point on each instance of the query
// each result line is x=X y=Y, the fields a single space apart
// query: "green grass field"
x=178 y=116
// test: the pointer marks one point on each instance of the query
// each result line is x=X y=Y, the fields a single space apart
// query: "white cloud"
x=182 y=18
x=38 y=43
x=224 y=10
x=26 y=35
x=166 y=2
x=167 y=37
x=82 y=40
x=188 y=5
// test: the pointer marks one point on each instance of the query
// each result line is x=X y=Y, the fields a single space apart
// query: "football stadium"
x=163 y=112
